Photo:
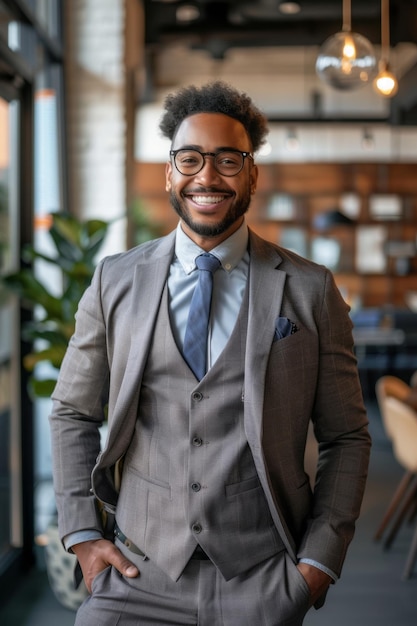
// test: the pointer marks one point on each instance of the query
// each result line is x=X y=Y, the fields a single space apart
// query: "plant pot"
x=60 y=569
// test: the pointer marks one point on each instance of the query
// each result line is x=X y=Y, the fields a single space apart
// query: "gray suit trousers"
x=273 y=593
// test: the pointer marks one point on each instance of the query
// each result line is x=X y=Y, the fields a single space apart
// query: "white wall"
x=316 y=142
x=96 y=113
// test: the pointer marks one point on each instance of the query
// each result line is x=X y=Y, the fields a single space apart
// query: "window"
x=31 y=139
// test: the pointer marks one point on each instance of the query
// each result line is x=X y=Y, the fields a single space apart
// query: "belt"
x=128 y=543
x=198 y=553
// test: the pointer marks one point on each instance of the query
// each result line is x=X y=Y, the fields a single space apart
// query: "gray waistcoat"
x=188 y=475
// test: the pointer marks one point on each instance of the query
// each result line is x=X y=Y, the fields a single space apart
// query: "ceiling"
x=217 y=29
x=262 y=22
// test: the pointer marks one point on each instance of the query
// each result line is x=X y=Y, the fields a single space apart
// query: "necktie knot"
x=208 y=262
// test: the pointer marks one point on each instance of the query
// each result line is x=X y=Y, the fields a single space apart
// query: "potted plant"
x=76 y=246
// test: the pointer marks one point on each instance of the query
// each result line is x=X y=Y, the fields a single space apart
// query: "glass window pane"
x=10 y=461
x=48 y=16
x=5 y=19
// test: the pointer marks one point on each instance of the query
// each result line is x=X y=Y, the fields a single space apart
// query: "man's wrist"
x=80 y=536
x=321 y=567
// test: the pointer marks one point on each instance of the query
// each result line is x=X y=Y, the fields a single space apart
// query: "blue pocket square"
x=283 y=328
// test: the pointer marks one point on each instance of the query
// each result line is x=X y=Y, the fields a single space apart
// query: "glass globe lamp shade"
x=346 y=61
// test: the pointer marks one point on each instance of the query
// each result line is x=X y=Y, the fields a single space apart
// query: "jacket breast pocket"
x=293 y=362
x=289 y=342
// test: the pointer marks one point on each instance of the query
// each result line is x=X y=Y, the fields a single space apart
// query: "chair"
x=392 y=386
x=400 y=422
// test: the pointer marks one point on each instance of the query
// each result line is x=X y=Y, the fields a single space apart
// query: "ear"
x=253 y=178
x=168 y=174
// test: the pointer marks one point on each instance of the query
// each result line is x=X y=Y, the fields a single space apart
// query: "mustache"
x=199 y=189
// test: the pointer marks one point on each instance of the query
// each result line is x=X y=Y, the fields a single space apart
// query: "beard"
x=238 y=208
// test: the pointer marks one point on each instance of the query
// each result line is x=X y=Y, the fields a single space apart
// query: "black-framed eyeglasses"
x=226 y=162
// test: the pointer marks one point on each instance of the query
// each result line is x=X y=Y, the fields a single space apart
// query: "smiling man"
x=212 y=350
x=206 y=188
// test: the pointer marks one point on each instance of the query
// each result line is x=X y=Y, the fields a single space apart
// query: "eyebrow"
x=218 y=149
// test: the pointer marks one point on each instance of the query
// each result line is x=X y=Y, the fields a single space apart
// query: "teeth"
x=207 y=199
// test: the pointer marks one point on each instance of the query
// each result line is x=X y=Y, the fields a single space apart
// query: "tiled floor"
x=371 y=591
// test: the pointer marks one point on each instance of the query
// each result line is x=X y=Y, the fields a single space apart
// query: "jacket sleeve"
x=340 y=426
x=78 y=411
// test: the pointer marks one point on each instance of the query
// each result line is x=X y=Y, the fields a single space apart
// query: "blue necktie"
x=196 y=332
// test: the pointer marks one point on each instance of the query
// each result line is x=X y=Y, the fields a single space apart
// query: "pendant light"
x=385 y=83
x=346 y=60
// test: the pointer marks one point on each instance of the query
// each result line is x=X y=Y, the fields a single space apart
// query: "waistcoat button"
x=196 y=486
x=196 y=527
x=197 y=441
x=197 y=396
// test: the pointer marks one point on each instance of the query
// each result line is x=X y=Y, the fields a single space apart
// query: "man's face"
x=211 y=206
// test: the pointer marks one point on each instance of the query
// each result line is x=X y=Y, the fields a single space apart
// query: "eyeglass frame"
x=244 y=154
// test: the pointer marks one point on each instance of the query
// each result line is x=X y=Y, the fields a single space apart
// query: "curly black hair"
x=215 y=97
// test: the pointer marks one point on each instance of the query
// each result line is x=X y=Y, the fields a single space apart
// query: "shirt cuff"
x=79 y=537
x=323 y=568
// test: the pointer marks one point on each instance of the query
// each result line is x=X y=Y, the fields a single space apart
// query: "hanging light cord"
x=385 y=45
x=347 y=16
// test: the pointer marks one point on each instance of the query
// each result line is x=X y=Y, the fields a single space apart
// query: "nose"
x=208 y=171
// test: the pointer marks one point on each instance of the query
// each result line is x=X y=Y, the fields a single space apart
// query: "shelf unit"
x=374 y=256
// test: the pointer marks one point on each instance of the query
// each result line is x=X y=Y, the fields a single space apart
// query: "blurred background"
x=82 y=85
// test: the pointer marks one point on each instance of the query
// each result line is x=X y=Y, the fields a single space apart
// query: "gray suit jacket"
x=308 y=375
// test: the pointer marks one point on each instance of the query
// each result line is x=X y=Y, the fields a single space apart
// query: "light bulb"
x=346 y=61
x=385 y=83
x=349 y=50
x=289 y=8
x=187 y=13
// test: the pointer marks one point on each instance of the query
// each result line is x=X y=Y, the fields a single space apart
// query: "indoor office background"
x=81 y=88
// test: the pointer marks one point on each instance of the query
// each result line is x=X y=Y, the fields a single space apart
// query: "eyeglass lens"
x=189 y=162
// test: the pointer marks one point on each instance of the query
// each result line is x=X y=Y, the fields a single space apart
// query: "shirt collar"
x=230 y=252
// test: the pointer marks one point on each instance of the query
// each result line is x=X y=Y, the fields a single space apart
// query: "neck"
x=207 y=243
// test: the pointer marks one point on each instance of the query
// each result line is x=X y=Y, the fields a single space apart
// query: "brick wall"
x=95 y=83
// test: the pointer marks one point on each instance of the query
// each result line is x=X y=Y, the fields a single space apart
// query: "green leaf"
x=33 y=292
x=77 y=243
x=40 y=331
x=41 y=388
x=29 y=254
x=53 y=355
x=67 y=242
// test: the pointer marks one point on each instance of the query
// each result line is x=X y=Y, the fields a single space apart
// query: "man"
x=215 y=519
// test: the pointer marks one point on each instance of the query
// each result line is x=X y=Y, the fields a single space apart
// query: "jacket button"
x=196 y=486
x=197 y=396
x=197 y=528
x=197 y=441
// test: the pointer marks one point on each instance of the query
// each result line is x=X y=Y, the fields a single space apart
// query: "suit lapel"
x=149 y=278
x=266 y=289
